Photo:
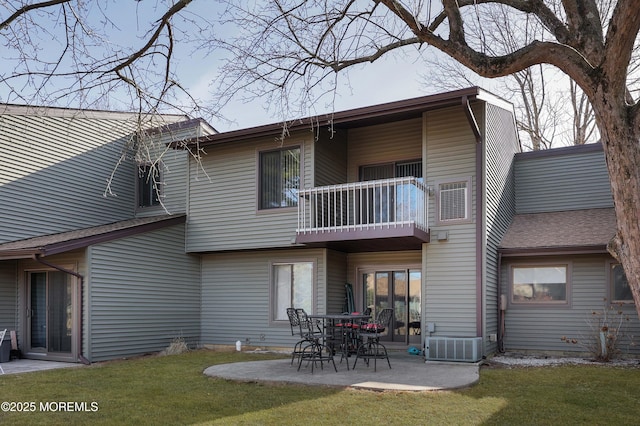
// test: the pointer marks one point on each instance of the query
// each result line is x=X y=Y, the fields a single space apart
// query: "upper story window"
x=454 y=201
x=620 y=290
x=539 y=284
x=148 y=186
x=279 y=178
x=391 y=170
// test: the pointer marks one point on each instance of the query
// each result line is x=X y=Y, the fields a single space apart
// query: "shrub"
x=177 y=346
x=607 y=333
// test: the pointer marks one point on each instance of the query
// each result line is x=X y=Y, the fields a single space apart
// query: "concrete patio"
x=30 y=365
x=407 y=373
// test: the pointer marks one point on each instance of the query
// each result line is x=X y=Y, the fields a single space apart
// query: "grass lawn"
x=172 y=390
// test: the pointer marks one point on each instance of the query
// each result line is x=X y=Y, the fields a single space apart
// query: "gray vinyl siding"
x=378 y=261
x=450 y=266
x=330 y=159
x=540 y=329
x=174 y=186
x=54 y=171
x=144 y=291
x=567 y=181
x=8 y=296
x=383 y=143
x=236 y=296
x=501 y=144
x=174 y=170
x=73 y=260
x=336 y=279
x=223 y=207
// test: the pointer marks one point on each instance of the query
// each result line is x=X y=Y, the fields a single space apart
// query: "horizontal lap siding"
x=72 y=260
x=377 y=261
x=501 y=141
x=336 y=280
x=383 y=143
x=330 y=160
x=541 y=328
x=174 y=170
x=563 y=182
x=8 y=295
x=236 y=296
x=223 y=211
x=450 y=296
x=174 y=185
x=144 y=291
x=53 y=174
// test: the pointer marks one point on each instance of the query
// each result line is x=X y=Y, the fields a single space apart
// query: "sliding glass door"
x=402 y=291
x=50 y=314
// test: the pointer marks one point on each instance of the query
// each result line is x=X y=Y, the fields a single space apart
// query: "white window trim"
x=468 y=201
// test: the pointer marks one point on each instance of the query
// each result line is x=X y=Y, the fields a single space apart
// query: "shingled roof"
x=587 y=230
x=71 y=240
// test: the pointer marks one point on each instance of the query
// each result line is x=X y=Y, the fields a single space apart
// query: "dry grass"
x=173 y=390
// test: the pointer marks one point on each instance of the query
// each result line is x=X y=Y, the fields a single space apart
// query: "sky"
x=391 y=78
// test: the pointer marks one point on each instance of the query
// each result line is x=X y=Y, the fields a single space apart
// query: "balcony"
x=377 y=215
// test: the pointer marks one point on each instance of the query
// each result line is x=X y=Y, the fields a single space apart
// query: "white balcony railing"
x=375 y=204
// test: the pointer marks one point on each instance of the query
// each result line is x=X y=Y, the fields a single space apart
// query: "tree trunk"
x=621 y=142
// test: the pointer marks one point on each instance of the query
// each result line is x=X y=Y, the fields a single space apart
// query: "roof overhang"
x=552 y=251
x=359 y=117
x=48 y=245
x=585 y=231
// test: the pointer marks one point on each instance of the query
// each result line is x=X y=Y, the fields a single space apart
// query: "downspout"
x=38 y=259
x=500 y=307
x=479 y=216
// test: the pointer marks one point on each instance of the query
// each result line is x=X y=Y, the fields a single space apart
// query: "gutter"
x=38 y=259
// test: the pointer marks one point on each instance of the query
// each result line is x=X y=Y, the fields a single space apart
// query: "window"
x=454 y=201
x=279 y=178
x=148 y=186
x=292 y=287
x=539 y=284
x=620 y=290
x=391 y=170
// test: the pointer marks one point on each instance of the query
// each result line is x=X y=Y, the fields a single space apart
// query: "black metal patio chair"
x=296 y=330
x=370 y=334
x=317 y=351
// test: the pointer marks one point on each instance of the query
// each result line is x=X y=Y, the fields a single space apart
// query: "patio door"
x=51 y=321
x=401 y=290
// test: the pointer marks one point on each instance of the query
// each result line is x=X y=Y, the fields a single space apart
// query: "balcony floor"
x=367 y=240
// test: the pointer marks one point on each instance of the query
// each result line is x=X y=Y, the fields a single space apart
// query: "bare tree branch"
x=27 y=8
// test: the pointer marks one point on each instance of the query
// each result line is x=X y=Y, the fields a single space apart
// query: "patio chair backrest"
x=384 y=317
x=294 y=321
x=381 y=323
x=306 y=324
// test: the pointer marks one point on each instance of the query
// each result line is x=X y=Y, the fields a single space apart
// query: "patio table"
x=338 y=328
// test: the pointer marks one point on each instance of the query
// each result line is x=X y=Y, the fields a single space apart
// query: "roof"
x=50 y=111
x=375 y=114
x=47 y=245
x=587 y=230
